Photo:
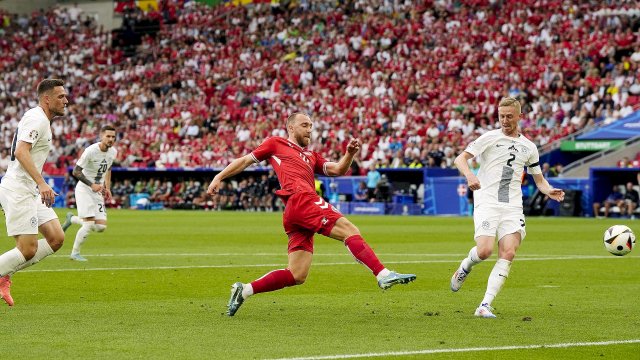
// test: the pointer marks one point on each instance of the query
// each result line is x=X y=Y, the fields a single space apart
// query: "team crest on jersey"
x=33 y=134
x=34 y=221
x=485 y=225
x=523 y=149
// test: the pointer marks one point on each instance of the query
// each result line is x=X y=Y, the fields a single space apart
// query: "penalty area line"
x=462 y=350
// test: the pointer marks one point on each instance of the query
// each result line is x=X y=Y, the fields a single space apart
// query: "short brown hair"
x=107 y=128
x=294 y=116
x=48 y=84
x=512 y=102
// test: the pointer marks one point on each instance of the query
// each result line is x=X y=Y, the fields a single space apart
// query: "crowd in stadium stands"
x=250 y=194
x=630 y=163
x=415 y=80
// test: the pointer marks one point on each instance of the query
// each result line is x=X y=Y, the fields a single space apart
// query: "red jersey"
x=294 y=165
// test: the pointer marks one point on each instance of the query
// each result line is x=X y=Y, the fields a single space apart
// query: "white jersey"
x=35 y=129
x=502 y=160
x=95 y=163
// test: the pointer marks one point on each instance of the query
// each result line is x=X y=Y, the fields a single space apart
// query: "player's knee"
x=56 y=241
x=99 y=228
x=28 y=252
x=484 y=253
x=508 y=254
x=300 y=276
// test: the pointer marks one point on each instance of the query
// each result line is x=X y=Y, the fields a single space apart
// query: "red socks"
x=363 y=253
x=275 y=280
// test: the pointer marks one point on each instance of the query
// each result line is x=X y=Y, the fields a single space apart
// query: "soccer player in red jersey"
x=305 y=212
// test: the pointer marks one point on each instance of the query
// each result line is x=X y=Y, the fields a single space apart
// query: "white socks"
x=384 y=272
x=44 y=250
x=76 y=220
x=10 y=261
x=471 y=260
x=498 y=275
x=81 y=236
x=247 y=290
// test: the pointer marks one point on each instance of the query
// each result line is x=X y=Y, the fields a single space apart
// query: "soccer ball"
x=619 y=240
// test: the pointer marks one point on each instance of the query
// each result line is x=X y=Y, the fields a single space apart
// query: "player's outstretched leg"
x=81 y=237
x=464 y=269
x=363 y=253
x=236 y=299
x=5 y=290
x=394 y=278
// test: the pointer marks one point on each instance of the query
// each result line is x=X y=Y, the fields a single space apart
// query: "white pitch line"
x=280 y=264
x=461 y=350
x=283 y=254
x=315 y=255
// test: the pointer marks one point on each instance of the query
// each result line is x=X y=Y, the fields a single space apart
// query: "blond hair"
x=512 y=102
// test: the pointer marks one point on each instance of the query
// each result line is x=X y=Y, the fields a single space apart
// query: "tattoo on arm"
x=77 y=173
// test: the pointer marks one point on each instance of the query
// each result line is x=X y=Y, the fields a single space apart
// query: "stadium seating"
x=200 y=91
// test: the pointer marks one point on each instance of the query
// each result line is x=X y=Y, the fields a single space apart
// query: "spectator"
x=361 y=192
x=4 y=161
x=383 y=190
x=373 y=177
x=615 y=198
x=631 y=200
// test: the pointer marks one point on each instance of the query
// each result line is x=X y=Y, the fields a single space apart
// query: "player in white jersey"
x=503 y=154
x=25 y=196
x=93 y=171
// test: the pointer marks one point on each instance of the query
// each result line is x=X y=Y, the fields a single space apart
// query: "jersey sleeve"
x=31 y=130
x=264 y=150
x=321 y=164
x=477 y=146
x=84 y=158
x=533 y=163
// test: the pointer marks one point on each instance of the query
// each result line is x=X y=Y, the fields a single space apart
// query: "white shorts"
x=498 y=221
x=90 y=204
x=24 y=211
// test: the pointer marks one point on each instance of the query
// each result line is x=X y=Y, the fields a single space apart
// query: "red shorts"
x=305 y=214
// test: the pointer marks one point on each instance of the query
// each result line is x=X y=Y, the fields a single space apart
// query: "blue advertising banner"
x=363 y=208
x=445 y=196
x=625 y=128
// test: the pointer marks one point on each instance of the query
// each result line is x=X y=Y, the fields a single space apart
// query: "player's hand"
x=107 y=194
x=353 y=146
x=214 y=187
x=47 y=194
x=473 y=183
x=556 y=194
x=97 y=188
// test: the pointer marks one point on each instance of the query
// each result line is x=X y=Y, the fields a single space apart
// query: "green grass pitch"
x=157 y=283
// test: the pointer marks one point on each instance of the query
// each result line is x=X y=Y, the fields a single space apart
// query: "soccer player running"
x=502 y=153
x=25 y=196
x=305 y=212
x=93 y=171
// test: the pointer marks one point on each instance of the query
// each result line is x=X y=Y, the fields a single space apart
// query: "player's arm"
x=462 y=163
x=235 y=167
x=342 y=166
x=545 y=188
x=23 y=155
x=77 y=173
x=107 y=185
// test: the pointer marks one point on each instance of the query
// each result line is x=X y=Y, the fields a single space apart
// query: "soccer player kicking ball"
x=93 y=171
x=502 y=153
x=25 y=196
x=305 y=212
